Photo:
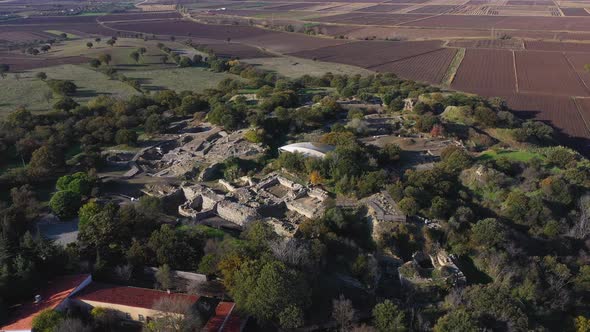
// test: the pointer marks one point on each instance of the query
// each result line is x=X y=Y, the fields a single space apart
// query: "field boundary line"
x=571 y=65
x=449 y=76
x=405 y=58
x=515 y=71
x=586 y=124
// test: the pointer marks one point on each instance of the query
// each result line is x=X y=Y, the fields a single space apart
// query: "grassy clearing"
x=57 y=33
x=120 y=52
x=520 y=155
x=456 y=114
x=180 y=79
x=292 y=67
x=33 y=94
x=453 y=67
x=27 y=92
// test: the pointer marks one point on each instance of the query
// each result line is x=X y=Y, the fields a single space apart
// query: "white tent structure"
x=308 y=149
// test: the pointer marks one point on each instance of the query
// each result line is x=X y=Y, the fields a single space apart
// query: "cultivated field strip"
x=370 y=53
x=574 y=12
x=560 y=111
x=280 y=42
x=505 y=44
x=578 y=61
x=371 y=19
x=139 y=16
x=486 y=70
x=557 y=46
x=584 y=110
x=382 y=8
x=547 y=72
x=430 y=67
x=581 y=24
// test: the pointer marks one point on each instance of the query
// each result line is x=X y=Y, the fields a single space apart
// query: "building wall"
x=126 y=312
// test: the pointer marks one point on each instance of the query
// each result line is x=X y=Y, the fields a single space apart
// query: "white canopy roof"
x=308 y=149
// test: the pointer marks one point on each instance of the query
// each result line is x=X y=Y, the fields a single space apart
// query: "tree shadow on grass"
x=88 y=93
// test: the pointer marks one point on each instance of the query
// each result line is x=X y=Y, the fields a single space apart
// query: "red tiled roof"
x=225 y=319
x=125 y=295
x=235 y=323
x=51 y=296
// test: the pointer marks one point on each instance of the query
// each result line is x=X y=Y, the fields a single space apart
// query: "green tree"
x=65 y=104
x=87 y=211
x=105 y=58
x=487 y=232
x=100 y=232
x=126 y=136
x=4 y=69
x=409 y=206
x=89 y=45
x=185 y=62
x=62 y=87
x=94 y=63
x=291 y=317
x=456 y=320
x=79 y=182
x=45 y=160
x=388 y=317
x=154 y=124
x=41 y=76
x=134 y=56
x=390 y=153
x=65 y=204
x=269 y=289
x=582 y=324
x=164 y=277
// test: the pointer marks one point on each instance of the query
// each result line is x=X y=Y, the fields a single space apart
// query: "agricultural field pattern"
x=531 y=53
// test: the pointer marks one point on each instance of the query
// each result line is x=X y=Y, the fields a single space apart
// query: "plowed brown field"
x=486 y=71
x=547 y=72
x=430 y=67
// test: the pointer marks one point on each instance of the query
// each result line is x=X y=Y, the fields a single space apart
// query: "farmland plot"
x=490 y=72
x=578 y=61
x=575 y=12
x=382 y=8
x=556 y=46
x=559 y=111
x=547 y=72
x=370 y=54
x=430 y=67
x=584 y=108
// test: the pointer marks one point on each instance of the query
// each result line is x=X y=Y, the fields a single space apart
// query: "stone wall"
x=236 y=213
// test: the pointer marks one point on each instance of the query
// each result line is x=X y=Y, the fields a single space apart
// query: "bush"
x=254 y=136
x=47 y=320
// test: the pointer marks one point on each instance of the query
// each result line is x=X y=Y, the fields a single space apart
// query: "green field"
x=25 y=90
x=521 y=155
x=180 y=79
x=295 y=67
